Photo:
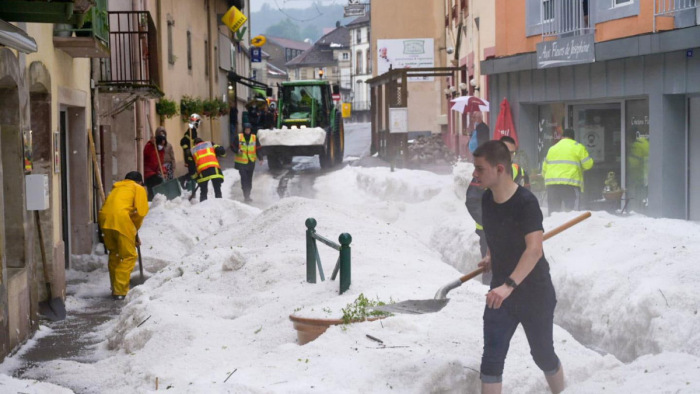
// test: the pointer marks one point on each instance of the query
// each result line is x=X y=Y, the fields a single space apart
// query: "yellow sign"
x=234 y=19
x=347 y=110
x=258 y=41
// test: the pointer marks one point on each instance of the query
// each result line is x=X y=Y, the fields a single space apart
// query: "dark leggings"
x=204 y=188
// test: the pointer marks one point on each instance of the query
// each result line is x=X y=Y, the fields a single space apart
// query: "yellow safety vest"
x=246 y=150
x=565 y=163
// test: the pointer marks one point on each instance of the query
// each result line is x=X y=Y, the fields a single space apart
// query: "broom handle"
x=98 y=174
x=546 y=236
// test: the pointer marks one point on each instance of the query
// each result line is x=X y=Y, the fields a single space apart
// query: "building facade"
x=328 y=58
x=420 y=31
x=45 y=113
x=361 y=69
x=470 y=36
x=625 y=75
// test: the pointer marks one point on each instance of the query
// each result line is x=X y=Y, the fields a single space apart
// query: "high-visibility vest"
x=565 y=163
x=204 y=156
x=246 y=150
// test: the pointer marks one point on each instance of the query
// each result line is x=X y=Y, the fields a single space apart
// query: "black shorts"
x=537 y=318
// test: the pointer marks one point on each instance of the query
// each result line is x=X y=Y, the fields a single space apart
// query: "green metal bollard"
x=310 y=250
x=344 y=240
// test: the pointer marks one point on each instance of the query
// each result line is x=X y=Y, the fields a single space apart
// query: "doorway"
x=599 y=128
x=693 y=159
x=65 y=190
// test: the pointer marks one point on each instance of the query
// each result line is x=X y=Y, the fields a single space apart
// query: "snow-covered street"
x=225 y=277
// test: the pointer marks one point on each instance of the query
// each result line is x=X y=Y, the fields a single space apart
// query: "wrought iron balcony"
x=563 y=18
x=672 y=7
x=133 y=65
x=91 y=31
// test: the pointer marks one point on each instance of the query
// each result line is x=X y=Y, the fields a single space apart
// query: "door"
x=694 y=158
x=599 y=128
x=65 y=191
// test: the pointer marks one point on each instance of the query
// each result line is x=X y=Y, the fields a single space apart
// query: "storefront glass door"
x=599 y=128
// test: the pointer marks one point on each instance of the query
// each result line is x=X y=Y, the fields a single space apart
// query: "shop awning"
x=13 y=37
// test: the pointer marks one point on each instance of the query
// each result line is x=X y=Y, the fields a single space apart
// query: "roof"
x=291 y=44
x=360 y=20
x=321 y=53
x=307 y=82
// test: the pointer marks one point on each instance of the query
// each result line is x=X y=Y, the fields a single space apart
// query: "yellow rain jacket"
x=125 y=208
x=565 y=163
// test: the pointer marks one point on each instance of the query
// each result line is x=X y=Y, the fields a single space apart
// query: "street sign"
x=255 y=55
x=258 y=41
x=336 y=97
x=355 y=10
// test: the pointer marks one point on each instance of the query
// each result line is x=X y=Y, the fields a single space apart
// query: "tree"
x=286 y=28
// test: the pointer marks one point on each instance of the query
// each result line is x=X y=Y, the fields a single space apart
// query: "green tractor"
x=308 y=124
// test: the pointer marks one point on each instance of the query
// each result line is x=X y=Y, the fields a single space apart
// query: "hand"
x=485 y=263
x=495 y=297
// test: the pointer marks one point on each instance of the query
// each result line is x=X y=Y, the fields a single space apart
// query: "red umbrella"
x=504 y=123
x=470 y=104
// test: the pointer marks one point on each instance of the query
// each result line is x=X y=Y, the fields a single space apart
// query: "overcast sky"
x=255 y=5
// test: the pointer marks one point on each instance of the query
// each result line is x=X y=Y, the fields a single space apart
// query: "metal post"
x=310 y=251
x=344 y=240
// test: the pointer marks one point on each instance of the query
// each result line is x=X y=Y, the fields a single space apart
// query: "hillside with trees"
x=297 y=23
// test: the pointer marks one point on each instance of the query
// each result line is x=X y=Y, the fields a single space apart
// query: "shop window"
x=551 y=123
x=637 y=153
x=189 y=51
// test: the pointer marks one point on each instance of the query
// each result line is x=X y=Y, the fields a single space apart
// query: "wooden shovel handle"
x=546 y=236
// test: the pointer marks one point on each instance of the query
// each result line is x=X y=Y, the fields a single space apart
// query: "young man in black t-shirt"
x=521 y=288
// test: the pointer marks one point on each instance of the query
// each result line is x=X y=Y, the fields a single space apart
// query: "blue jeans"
x=537 y=318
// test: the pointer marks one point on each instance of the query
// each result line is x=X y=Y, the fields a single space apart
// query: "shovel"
x=417 y=307
x=141 y=279
x=53 y=308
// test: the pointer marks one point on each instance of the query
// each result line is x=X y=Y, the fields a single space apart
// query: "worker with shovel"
x=120 y=217
x=521 y=287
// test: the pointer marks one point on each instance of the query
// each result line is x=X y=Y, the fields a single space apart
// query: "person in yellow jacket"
x=562 y=171
x=120 y=218
x=205 y=155
x=247 y=149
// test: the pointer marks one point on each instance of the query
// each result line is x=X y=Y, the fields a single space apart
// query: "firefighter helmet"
x=195 y=120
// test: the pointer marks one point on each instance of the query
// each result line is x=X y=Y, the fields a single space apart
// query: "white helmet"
x=195 y=120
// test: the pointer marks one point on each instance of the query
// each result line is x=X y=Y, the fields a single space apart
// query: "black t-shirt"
x=505 y=226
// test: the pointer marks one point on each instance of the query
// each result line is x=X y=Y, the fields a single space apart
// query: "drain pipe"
x=138 y=104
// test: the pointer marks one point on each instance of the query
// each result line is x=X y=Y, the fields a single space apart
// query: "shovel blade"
x=53 y=309
x=414 y=307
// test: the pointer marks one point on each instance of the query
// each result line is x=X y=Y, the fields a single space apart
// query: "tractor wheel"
x=327 y=158
x=273 y=162
x=340 y=141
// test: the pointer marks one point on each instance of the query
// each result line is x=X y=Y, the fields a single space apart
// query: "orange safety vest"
x=246 y=150
x=204 y=156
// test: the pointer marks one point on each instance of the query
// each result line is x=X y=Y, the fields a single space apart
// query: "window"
x=358 y=36
x=620 y=2
x=206 y=58
x=548 y=10
x=233 y=57
x=189 y=50
x=346 y=56
x=171 y=55
x=358 y=62
x=369 y=62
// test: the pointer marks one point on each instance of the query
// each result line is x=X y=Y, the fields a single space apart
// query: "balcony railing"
x=133 y=65
x=561 y=18
x=360 y=105
x=671 y=7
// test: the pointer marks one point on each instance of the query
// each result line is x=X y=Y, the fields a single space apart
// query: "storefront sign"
x=566 y=51
x=408 y=53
